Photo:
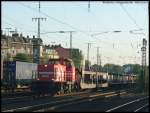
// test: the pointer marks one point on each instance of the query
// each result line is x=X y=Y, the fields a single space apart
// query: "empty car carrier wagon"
x=18 y=73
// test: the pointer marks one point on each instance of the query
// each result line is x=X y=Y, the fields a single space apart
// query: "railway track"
x=60 y=101
x=31 y=96
x=17 y=101
x=25 y=96
x=134 y=105
x=16 y=94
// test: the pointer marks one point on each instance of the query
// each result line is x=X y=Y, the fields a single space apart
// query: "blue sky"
x=117 y=48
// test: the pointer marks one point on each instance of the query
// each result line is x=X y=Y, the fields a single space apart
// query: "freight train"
x=61 y=76
x=17 y=74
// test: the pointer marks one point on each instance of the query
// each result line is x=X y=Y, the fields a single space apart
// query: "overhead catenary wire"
x=27 y=28
x=116 y=46
x=21 y=28
x=53 y=18
x=20 y=23
x=101 y=33
x=134 y=21
x=64 y=23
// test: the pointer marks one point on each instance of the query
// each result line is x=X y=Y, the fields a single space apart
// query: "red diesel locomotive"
x=58 y=76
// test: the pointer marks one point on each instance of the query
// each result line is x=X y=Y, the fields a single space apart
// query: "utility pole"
x=89 y=6
x=70 y=40
x=97 y=66
x=37 y=44
x=143 y=50
x=70 y=52
x=39 y=18
x=88 y=51
x=100 y=60
x=71 y=44
x=98 y=56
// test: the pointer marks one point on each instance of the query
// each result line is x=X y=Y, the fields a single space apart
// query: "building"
x=50 y=51
x=62 y=52
x=53 y=52
x=57 y=51
x=11 y=45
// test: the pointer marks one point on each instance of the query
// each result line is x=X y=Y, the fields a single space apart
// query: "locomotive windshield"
x=67 y=62
x=54 y=61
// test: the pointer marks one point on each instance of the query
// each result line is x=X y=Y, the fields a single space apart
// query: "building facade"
x=11 y=45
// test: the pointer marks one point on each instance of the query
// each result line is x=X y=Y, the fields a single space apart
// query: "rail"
x=128 y=103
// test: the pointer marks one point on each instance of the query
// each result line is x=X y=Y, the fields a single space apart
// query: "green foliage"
x=87 y=62
x=135 y=68
x=147 y=80
x=22 y=57
x=96 y=67
x=112 y=68
x=143 y=79
x=77 y=58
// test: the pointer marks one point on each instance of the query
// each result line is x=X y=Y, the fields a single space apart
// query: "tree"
x=142 y=74
x=87 y=64
x=96 y=67
x=77 y=57
x=147 y=80
x=112 y=68
x=132 y=68
x=22 y=57
x=143 y=79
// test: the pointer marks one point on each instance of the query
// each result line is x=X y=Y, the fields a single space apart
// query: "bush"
x=22 y=57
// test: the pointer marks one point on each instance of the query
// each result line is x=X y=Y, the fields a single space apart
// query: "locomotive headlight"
x=45 y=65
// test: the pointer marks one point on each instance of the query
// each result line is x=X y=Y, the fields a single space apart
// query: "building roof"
x=62 y=52
x=18 y=38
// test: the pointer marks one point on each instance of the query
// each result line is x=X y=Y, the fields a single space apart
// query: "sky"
x=93 y=22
